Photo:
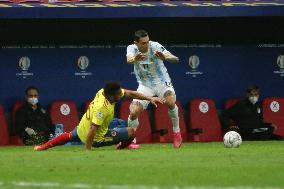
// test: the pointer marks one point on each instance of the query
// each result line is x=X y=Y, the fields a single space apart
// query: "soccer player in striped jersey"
x=152 y=76
x=97 y=127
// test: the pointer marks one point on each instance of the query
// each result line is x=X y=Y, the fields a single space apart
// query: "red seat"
x=64 y=112
x=144 y=131
x=15 y=139
x=204 y=121
x=4 y=131
x=230 y=102
x=273 y=112
x=18 y=104
x=163 y=121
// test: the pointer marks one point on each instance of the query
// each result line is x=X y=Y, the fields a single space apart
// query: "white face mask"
x=33 y=100
x=253 y=99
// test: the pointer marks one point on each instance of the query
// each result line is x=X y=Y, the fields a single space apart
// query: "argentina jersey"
x=151 y=71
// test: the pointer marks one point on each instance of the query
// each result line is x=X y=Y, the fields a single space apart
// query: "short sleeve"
x=157 y=46
x=130 y=51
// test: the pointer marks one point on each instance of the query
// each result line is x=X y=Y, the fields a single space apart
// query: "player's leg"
x=137 y=106
x=170 y=97
x=124 y=142
x=59 y=140
x=119 y=134
x=124 y=138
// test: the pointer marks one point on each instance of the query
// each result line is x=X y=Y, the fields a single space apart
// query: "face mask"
x=33 y=101
x=253 y=99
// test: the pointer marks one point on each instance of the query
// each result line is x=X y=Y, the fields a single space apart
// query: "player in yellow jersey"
x=98 y=127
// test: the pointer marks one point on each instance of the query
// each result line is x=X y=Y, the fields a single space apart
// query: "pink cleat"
x=120 y=146
x=133 y=146
x=39 y=148
x=177 y=140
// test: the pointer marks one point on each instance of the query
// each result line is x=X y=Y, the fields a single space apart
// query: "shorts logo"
x=193 y=61
x=280 y=61
x=113 y=133
x=65 y=109
x=274 y=106
x=24 y=63
x=83 y=62
x=203 y=107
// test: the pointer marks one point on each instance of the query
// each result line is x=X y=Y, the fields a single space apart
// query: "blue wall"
x=226 y=71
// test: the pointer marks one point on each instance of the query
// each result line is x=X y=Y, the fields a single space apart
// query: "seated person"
x=247 y=118
x=33 y=124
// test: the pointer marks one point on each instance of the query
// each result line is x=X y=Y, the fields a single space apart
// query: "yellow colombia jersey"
x=100 y=112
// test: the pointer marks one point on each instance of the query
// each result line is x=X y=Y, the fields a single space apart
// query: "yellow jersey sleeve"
x=122 y=92
x=99 y=116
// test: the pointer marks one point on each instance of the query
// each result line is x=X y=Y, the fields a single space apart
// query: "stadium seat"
x=64 y=112
x=204 y=121
x=4 y=131
x=15 y=139
x=273 y=112
x=163 y=122
x=230 y=102
x=17 y=105
x=144 y=131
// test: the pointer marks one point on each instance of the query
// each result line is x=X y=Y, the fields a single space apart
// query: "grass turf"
x=254 y=164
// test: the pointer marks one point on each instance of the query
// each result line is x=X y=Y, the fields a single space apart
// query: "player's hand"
x=140 y=56
x=155 y=100
x=160 y=55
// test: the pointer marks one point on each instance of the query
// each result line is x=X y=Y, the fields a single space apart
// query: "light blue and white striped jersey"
x=151 y=71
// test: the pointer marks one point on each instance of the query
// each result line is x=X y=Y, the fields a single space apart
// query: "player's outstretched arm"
x=167 y=57
x=131 y=59
x=171 y=58
x=140 y=96
x=90 y=137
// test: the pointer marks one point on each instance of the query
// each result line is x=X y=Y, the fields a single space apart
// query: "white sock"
x=175 y=119
x=133 y=123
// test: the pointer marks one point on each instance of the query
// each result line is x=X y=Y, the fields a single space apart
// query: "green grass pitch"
x=255 y=165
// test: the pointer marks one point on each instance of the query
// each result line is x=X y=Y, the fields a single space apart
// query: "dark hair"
x=30 y=88
x=111 y=88
x=139 y=34
x=252 y=88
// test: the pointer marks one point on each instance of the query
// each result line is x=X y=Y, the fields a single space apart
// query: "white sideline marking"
x=79 y=186
x=99 y=186
x=36 y=184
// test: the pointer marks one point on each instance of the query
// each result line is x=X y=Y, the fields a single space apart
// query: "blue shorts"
x=117 y=132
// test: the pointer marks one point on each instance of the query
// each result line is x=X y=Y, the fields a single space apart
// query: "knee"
x=135 y=109
x=133 y=115
x=171 y=103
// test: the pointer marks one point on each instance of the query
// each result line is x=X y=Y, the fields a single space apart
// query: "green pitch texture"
x=254 y=164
